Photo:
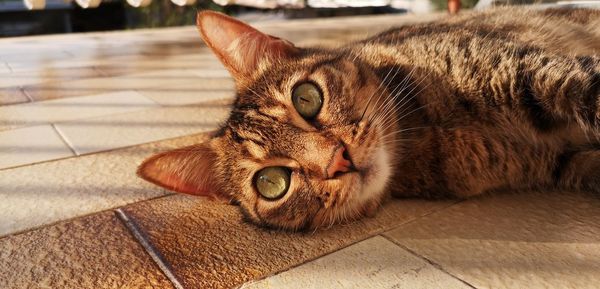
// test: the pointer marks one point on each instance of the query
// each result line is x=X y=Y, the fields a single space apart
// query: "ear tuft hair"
x=190 y=170
x=240 y=47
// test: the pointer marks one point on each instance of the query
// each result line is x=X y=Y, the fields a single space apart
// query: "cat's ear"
x=189 y=170
x=239 y=46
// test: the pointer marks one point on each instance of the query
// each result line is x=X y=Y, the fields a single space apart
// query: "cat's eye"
x=272 y=182
x=307 y=100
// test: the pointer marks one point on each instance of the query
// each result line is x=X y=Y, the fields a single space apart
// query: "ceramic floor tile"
x=40 y=194
x=91 y=252
x=48 y=74
x=31 y=145
x=133 y=65
x=182 y=96
x=130 y=66
x=208 y=245
x=372 y=263
x=4 y=68
x=193 y=91
x=58 y=110
x=34 y=58
x=209 y=73
x=57 y=90
x=122 y=130
x=134 y=45
x=12 y=95
x=527 y=240
x=166 y=76
x=198 y=84
x=80 y=51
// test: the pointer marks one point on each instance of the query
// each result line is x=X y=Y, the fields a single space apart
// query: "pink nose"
x=339 y=163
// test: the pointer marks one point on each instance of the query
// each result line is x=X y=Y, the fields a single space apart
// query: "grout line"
x=375 y=233
x=418 y=218
x=102 y=72
x=9 y=68
x=68 y=53
x=64 y=140
x=70 y=219
x=208 y=132
x=22 y=89
x=430 y=262
x=368 y=235
x=309 y=260
x=154 y=254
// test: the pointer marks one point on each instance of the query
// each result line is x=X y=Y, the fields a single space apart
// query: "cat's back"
x=559 y=30
x=574 y=31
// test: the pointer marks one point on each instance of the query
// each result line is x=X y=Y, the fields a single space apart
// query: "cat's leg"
x=465 y=162
x=579 y=170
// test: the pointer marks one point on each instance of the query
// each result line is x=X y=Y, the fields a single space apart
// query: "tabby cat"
x=503 y=99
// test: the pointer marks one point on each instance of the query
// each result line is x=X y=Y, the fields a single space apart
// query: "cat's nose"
x=340 y=163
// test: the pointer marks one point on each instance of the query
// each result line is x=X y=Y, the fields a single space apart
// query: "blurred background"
x=32 y=17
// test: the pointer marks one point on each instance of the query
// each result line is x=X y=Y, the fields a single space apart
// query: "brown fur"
x=507 y=98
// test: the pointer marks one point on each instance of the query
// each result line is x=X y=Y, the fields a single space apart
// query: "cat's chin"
x=375 y=176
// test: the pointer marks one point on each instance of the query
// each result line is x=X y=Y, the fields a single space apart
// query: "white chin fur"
x=378 y=176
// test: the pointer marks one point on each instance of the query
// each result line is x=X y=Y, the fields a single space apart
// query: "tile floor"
x=76 y=120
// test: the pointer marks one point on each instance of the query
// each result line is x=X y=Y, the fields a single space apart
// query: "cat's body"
x=503 y=99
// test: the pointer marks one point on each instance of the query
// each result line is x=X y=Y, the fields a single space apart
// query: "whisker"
x=391 y=107
x=404 y=130
x=400 y=104
x=400 y=107
x=381 y=109
x=404 y=83
x=386 y=124
x=372 y=94
x=375 y=91
x=416 y=109
x=425 y=87
x=414 y=87
x=393 y=141
x=377 y=104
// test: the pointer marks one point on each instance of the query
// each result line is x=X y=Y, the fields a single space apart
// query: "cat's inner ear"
x=187 y=170
x=240 y=47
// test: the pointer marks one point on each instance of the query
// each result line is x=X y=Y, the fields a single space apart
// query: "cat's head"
x=303 y=146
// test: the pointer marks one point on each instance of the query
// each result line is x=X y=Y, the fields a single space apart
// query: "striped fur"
x=502 y=99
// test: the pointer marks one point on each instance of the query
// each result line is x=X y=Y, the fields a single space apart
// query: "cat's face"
x=303 y=146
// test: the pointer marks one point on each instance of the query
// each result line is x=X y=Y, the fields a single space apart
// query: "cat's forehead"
x=252 y=126
x=279 y=75
x=270 y=91
x=263 y=115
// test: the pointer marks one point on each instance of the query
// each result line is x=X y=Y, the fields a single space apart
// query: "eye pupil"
x=307 y=100
x=273 y=182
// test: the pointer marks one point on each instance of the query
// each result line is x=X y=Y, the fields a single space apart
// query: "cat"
x=480 y=102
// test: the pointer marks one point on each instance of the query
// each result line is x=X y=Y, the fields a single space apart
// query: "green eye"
x=307 y=100
x=273 y=182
